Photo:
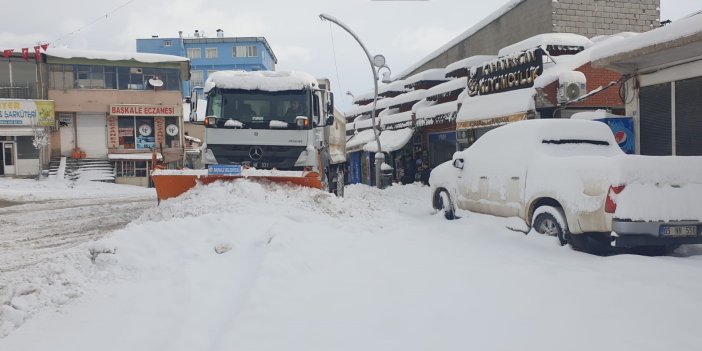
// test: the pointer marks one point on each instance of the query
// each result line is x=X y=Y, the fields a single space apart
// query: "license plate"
x=229 y=170
x=678 y=230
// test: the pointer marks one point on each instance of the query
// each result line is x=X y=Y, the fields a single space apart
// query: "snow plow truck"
x=265 y=125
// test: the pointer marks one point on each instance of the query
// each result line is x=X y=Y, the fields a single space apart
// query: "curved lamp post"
x=375 y=61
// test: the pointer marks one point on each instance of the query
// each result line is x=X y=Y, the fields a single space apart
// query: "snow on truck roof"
x=260 y=80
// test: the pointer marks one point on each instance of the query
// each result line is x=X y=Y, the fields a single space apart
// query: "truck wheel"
x=546 y=223
x=442 y=201
x=339 y=181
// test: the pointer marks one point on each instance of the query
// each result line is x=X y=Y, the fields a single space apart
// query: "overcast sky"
x=404 y=31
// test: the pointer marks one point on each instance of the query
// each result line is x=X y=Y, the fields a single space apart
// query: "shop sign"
x=160 y=125
x=489 y=122
x=172 y=130
x=507 y=73
x=112 y=132
x=144 y=110
x=145 y=130
x=27 y=112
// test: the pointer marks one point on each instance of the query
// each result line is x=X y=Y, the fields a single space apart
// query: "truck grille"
x=259 y=156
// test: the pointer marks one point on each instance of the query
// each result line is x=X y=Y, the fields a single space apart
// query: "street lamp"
x=377 y=61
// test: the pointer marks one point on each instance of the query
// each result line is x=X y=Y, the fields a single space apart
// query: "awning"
x=437 y=113
x=137 y=156
x=491 y=122
x=16 y=131
x=357 y=142
x=390 y=140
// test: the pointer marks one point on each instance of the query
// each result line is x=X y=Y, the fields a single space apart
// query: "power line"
x=338 y=79
x=95 y=20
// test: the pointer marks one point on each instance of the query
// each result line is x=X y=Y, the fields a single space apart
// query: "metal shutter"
x=92 y=134
x=656 y=120
x=688 y=124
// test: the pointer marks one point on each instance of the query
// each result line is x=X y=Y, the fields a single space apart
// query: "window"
x=136 y=133
x=197 y=78
x=194 y=53
x=167 y=43
x=211 y=53
x=245 y=51
x=128 y=168
x=63 y=77
x=26 y=149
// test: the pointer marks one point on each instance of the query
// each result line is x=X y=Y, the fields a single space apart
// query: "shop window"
x=688 y=124
x=25 y=148
x=126 y=133
x=132 y=168
x=145 y=136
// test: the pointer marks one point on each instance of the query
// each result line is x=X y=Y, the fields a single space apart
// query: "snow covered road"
x=245 y=266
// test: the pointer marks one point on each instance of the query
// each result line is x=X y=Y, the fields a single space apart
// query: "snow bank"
x=28 y=190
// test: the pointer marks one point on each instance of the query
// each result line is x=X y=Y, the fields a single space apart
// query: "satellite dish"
x=155 y=82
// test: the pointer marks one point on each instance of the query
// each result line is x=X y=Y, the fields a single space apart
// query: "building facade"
x=521 y=19
x=26 y=118
x=208 y=55
x=117 y=106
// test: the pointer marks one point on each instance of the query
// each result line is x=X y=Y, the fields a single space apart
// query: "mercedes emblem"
x=256 y=153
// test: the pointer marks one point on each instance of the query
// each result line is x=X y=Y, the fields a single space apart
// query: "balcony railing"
x=25 y=92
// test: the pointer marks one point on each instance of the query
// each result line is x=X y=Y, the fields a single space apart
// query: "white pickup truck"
x=568 y=178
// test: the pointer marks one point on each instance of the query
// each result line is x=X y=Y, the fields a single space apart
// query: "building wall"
x=78 y=100
x=599 y=17
x=532 y=17
x=596 y=77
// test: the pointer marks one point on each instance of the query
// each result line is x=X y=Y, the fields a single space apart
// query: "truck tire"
x=547 y=223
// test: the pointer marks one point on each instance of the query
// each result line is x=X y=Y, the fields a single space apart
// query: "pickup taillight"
x=610 y=203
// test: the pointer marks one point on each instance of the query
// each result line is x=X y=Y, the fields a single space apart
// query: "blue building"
x=208 y=55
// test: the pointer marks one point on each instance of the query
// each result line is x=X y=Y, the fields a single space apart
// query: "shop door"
x=92 y=134
x=8 y=158
x=68 y=137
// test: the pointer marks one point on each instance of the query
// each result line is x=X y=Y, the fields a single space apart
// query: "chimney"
x=220 y=33
x=197 y=33
x=154 y=36
x=180 y=34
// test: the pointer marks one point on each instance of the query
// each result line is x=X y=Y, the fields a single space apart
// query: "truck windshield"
x=256 y=109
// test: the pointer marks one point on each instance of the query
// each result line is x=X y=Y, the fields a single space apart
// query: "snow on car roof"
x=556 y=130
x=260 y=80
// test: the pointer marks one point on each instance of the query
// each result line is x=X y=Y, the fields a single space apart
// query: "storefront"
x=664 y=86
x=24 y=136
x=135 y=132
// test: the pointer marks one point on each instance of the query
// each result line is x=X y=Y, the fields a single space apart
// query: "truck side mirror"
x=330 y=104
x=330 y=120
x=458 y=163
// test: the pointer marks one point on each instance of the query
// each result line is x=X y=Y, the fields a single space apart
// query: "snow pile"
x=253 y=266
x=260 y=80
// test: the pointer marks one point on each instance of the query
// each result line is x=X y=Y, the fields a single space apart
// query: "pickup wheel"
x=546 y=223
x=442 y=201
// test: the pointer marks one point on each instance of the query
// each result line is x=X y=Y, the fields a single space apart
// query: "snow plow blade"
x=173 y=183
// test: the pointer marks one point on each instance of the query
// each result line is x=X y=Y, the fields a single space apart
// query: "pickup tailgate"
x=659 y=188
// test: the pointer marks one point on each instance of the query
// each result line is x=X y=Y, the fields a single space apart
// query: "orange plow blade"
x=172 y=183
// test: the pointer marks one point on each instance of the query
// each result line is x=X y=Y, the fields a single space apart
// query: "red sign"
x=112 y=136
x=144 y=110
x=160 y=124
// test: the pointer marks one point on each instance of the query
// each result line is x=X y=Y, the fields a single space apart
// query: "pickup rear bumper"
x=634 y=233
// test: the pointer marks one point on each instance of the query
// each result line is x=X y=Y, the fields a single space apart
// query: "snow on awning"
x=501 y=108
x=361 y=138
x=398 y=118
x=444 y=89
x=437 y=113
x=143 y=156
x=390 y=140
x=548 y=41
x=430 y=75
x=113 y=55
x=409 y=97
x=365 y=123
x=667 y=45
x=397 y=86
x=461 y=68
